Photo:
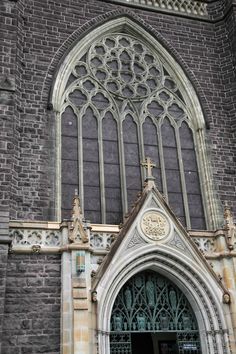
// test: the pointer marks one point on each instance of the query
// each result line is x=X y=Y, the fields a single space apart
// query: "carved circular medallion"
x=155 y=225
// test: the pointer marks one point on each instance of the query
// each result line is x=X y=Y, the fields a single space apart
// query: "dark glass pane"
x=69 y=123
x=168 y=134
x=77 y=97
x=132 y=196
x=192 y=182
x=69 y=172
x=131 y=154
x=151 y=149
x=112 y=175
x=92 y=200
x=191 y=178
x=186 y=137
x=111 y=170
x=110 y=151
x=132 y=180
x=69 y=164
x=90 y=150
x=100 y=101
x=198 y=223
x=132 y=160
x=90 y=129
x=91 y=174
x=173 y=179
x=171 y=158
x=68 y=192
x=195 y=205
x=92 y=205
x=130 y=130
x=176 y=203
x=69 y=149
x=189 y=159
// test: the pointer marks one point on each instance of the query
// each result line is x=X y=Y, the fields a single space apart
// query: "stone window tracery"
x=121 y=104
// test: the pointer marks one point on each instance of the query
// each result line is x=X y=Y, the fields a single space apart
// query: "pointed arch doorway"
x=152 y=316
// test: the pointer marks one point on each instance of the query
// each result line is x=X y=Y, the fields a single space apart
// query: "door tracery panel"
x=149 y=302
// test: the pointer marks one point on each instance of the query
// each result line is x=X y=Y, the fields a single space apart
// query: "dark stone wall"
x=40 y=37
x=32 y=306
x=8 y=35
x=3 y=273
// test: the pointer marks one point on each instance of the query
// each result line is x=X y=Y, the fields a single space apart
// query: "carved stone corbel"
x=230 y=228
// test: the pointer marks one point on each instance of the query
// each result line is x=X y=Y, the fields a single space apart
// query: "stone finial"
x=77 y=231
x=229 y=226
x=148 y=164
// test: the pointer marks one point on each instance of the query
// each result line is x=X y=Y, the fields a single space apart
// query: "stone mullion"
x=66 y=299
x=141 y=149
x=162 y=163
x=58 y=167
x=213 y=216
x=122 y=167
x=101 y=172
x=182 y=178
x=80 y=161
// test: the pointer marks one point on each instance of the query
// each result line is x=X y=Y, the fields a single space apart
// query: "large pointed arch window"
x=122 y=102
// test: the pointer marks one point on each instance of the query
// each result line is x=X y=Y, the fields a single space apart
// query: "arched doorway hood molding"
x=153 y=239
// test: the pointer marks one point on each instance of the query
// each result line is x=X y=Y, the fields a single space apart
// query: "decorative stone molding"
x=205 y=244
x=135 y=241
x=230 y=227
x=101 y=240
x=155 y=225
x=77 y=231
x=35 y=237
x=191 y=8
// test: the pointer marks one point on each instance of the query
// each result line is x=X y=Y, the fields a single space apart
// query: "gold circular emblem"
x=155 y=225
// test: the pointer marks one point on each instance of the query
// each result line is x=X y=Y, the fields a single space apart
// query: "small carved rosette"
x=155 y=225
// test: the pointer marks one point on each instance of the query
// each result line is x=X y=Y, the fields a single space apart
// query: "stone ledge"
x=192 y=8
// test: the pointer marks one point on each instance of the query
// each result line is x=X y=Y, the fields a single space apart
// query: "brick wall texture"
x=32 y=307
x=31 y=36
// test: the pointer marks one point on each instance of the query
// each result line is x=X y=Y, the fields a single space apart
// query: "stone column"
x=66 y=298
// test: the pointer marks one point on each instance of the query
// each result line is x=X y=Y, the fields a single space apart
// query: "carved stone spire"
x=77 y=232
x=229 y=226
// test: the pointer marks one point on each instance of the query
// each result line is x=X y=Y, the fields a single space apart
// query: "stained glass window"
x=122 y=104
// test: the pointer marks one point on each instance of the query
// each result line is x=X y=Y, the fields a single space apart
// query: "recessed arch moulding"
x=188 y=274
x=125 y=24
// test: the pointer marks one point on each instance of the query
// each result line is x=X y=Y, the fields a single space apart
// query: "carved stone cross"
x=148 y=164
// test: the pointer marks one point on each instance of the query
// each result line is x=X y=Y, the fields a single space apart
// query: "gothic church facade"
x=117 y=177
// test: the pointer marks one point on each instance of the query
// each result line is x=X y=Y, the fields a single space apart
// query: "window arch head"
x=127 y=98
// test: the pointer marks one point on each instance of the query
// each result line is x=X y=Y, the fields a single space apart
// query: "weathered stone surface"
x=3 y=275
x=27 y=129
x=32 y=308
